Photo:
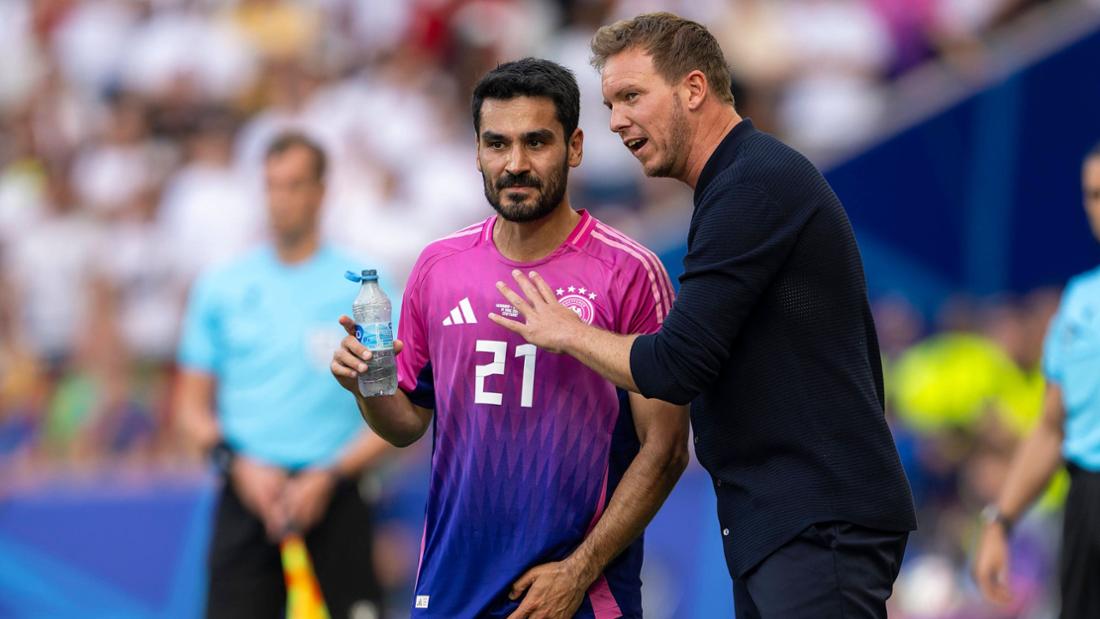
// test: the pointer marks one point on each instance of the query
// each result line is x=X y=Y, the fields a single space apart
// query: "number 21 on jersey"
x=496 y=367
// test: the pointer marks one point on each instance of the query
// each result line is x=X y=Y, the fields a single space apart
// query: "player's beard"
x=551 y=192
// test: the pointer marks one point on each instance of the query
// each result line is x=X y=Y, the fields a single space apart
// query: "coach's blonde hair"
x=678 y=46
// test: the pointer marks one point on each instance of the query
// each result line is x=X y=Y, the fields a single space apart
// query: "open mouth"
x=636 y=144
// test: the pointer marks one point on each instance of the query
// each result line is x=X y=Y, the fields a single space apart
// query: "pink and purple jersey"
x=528 y=445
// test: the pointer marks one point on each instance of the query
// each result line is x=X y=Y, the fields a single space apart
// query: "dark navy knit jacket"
x=771 y=340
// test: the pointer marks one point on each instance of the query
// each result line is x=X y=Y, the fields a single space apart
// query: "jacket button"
x=696 y=439
x=725 y=532
x=718 y=483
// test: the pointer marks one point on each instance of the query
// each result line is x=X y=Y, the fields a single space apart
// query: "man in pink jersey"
x=544 y=475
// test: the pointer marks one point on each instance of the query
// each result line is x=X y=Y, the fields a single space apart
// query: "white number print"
x=527 y=351
x=496 y=367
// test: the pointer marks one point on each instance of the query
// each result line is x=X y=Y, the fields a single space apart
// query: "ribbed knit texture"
x=771 y=340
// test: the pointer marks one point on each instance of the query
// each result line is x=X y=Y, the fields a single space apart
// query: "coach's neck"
x=713 y=120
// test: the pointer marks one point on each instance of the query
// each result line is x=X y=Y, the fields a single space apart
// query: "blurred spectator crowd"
x=132 y=135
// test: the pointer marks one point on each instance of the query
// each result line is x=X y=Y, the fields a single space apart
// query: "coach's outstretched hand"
x=549 y=324
x=352 y=357
x=554 y=591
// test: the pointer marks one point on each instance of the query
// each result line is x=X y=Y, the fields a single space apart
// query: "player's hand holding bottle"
x=352 y=358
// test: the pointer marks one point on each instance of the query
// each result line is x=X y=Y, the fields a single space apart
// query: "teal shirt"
x=1071 y=358
x=266 y=331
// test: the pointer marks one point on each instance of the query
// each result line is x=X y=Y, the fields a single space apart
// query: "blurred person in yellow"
x=253 y=392
x=1069 y=432
x=949 y=380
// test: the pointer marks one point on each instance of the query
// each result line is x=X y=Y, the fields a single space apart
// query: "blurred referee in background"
x=254 y=391
x=1068 y=431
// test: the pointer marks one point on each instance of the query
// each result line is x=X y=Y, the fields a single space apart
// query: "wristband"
x=992 y=514
x=222 y=456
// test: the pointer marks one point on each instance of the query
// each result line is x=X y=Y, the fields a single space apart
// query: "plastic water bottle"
x=374 y=329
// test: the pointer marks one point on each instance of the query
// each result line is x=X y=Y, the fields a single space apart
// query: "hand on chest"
x=500 y=367
x=459 y=308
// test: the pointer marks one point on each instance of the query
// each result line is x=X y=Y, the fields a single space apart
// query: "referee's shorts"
x=246 y=571
x=1080 y=568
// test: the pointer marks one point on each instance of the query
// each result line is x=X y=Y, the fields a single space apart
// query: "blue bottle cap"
x=367 y=275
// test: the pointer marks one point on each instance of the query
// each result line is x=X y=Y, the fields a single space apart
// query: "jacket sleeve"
x=739 y=240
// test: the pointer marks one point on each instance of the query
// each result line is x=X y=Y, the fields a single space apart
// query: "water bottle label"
x=375 y=336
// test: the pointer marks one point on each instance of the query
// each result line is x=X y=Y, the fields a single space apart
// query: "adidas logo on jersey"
x=463 y=314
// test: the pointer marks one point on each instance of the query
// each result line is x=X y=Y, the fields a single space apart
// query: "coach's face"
x=294 y=193
x=647 y=113
x=1090 y=186
x=524 y=157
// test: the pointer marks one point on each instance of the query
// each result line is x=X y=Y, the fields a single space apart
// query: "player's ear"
x=576 y=147
x=477 y=149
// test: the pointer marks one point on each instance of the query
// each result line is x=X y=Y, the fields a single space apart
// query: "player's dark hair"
x=289 y=140
x=531 y=77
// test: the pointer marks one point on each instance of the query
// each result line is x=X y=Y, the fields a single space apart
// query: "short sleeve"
x=198 y=349
x=414 y=368
x=646 y=295
x=1055 y=342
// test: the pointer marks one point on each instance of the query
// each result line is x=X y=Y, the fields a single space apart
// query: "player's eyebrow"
x=545 y=135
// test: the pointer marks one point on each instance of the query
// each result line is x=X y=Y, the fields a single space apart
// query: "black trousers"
x=246 y=571
x=1080 y=569
x=831 y=569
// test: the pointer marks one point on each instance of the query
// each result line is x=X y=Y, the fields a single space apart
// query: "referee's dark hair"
x=294 y=139
x=531 y=77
